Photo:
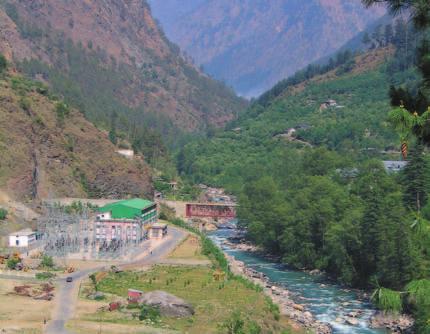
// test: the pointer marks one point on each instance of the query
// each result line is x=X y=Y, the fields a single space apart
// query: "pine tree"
x=415 y=179
x=366 y=38
x=389 y=33
x=370 y=234
x=112 y=132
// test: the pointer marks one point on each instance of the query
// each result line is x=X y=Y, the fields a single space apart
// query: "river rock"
x=308 y=315
x=351 y=321
x=169 y=305
x=397 y=323
x=299 y=307
x=353 y=314
x=315 y=272
x=322 y=328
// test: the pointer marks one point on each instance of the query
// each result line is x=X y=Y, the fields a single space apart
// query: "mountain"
x=252 y=44
x=48 y=149
x=110 y=59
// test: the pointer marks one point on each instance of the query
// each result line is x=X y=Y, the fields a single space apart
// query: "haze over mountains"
x=252 y=44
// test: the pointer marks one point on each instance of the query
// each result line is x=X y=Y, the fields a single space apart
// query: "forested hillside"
x=112 y=61
x=306 y=163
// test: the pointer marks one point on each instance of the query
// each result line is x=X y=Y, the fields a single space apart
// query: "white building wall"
x=104 y=216
x=21 y=240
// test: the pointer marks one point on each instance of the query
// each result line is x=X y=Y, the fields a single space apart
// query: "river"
x=324 y=300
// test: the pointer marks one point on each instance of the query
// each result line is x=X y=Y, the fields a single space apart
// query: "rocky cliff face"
x=129 y=58
x=252 y=44
x=47 y=151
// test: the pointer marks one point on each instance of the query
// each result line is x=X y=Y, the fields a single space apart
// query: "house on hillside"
x=394 y=166
x=126 y=220
x=129 y=154
x=328 y=104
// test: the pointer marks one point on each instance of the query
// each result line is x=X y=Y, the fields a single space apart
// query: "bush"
x=12 y=262
x=149 y=313
x=3 y=63
x=45 y=275
x=234 y=325
x=47 y=261
x=387 y=300
x=94 y=281
x=62 y=110
x=3 y=214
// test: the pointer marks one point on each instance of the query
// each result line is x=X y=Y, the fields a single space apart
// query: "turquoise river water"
x=326 y=301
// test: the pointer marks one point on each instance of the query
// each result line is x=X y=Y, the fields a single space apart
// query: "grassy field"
x=189 y=248
x=214 y=302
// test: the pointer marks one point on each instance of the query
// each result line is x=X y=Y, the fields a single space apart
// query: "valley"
x=251 y=45
x=140 y=194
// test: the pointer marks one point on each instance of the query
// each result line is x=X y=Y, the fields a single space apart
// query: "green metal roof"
x=127 y=209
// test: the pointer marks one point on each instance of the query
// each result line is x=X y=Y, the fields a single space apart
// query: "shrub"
x=45 y=275
x=387 y=300
x=62 y=110
x=47 y=261
x=25 y=103
x=149 y=313
x=12 y=262
x=3 y=214
x=3 y=63
x=94 y=281
x=254 y=328
x=234 y=325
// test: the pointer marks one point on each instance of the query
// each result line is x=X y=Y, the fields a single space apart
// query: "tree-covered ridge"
x=356 y=125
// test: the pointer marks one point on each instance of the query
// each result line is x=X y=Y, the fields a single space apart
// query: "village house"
x=328 y=104
x=126 y=220
x=134 y=296
x=129 y=154
x=394 y=166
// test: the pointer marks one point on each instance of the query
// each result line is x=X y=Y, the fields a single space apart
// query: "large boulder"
x=169 y=305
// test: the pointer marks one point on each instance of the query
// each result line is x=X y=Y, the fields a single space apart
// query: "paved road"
x=67 y=292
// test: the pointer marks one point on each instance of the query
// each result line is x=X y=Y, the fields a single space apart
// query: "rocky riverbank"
x=394 y=323
x=298 y=312
x=281 y=297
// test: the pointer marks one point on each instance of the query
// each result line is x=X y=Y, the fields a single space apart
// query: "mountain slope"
x=355 y=126
x=253 y=44
x=48 y=149
x=110 y=57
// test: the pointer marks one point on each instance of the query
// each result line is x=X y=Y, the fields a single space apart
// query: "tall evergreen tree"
x=415 y=179
x=388 y=34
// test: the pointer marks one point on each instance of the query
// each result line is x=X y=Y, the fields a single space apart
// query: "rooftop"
x=159 y=225
x=22 y=233
x=127 y=209
x=394 y=166
x=135 y=203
